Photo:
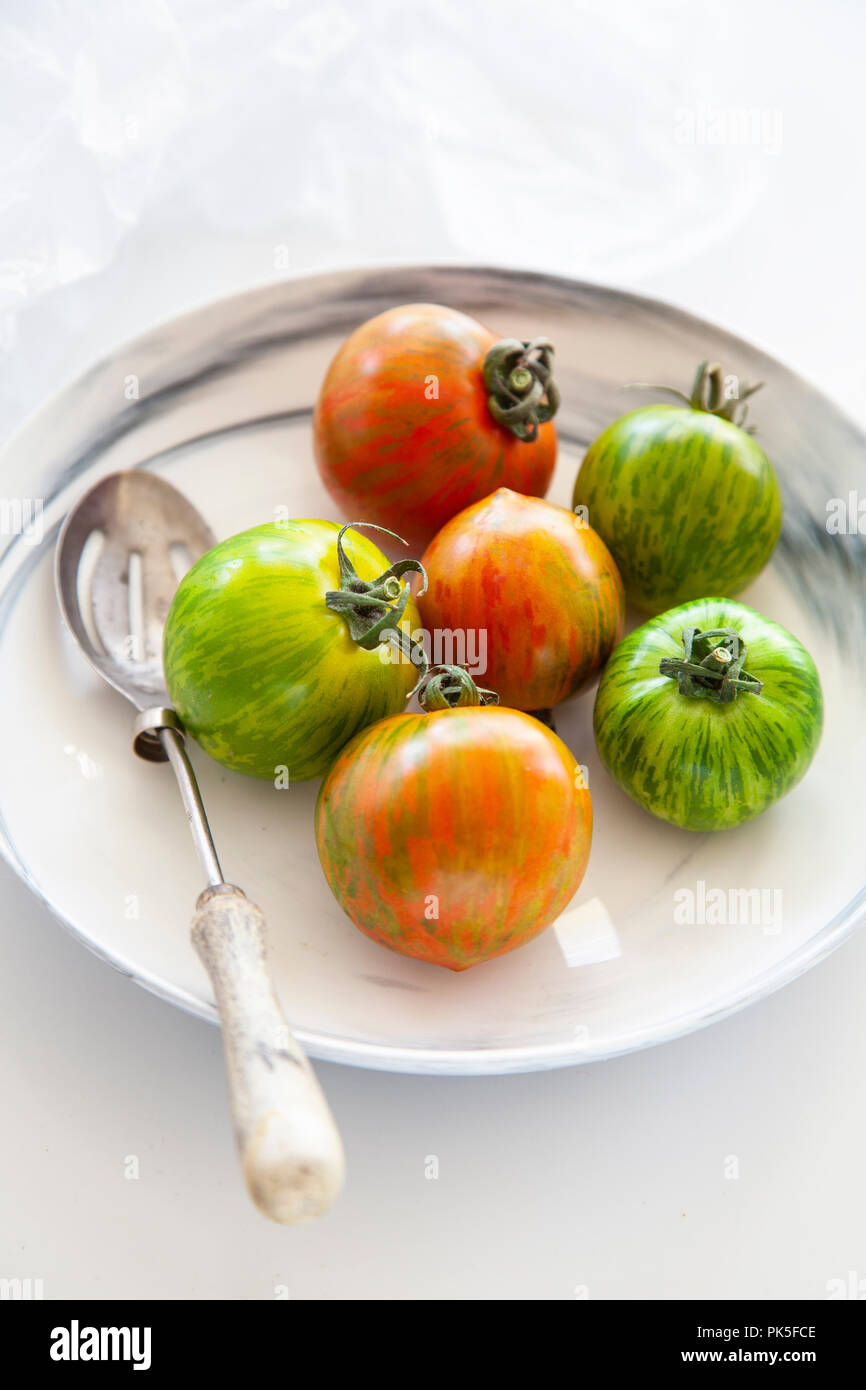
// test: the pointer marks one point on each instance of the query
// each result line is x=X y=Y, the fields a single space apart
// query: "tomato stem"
x=446 y=687
x=713 y=666
x=710 y=394
x=372 y=609
x=521 y=391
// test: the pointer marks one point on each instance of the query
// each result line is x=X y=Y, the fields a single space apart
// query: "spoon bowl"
x=121 y=554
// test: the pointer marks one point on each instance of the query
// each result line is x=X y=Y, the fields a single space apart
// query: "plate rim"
x=499 y=1061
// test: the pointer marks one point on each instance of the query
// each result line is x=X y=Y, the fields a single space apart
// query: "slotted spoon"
x=120 y=554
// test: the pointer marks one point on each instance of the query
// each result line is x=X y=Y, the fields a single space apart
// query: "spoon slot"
x=135 y=600
x=181 y=559
x=87 y=562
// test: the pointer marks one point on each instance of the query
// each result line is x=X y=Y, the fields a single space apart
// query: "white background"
x=153 y=156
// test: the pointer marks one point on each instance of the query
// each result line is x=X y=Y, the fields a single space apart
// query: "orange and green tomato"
x=454 y=836
x=536 y=587
x=403 y=431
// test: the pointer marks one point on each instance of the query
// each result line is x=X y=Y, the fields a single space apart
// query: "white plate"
x=219 y=402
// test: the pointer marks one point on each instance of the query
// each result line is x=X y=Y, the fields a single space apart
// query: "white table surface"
x=602 y=1182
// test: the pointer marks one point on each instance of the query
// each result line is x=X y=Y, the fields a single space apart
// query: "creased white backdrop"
x=154 y=155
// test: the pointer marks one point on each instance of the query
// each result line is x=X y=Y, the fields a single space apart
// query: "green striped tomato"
x=686 y=500
x=265 y=675
x=541 y=587
x=454 y=836
x=690 y=745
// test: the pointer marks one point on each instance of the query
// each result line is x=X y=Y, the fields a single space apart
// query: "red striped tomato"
x=535 y=584
x=404 y=431
x=454 y=836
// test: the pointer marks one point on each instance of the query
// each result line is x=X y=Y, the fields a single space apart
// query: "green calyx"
x=710 y=394
x=447 y=687
x=372 y=609
x=521 y=391
x=713 y=666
